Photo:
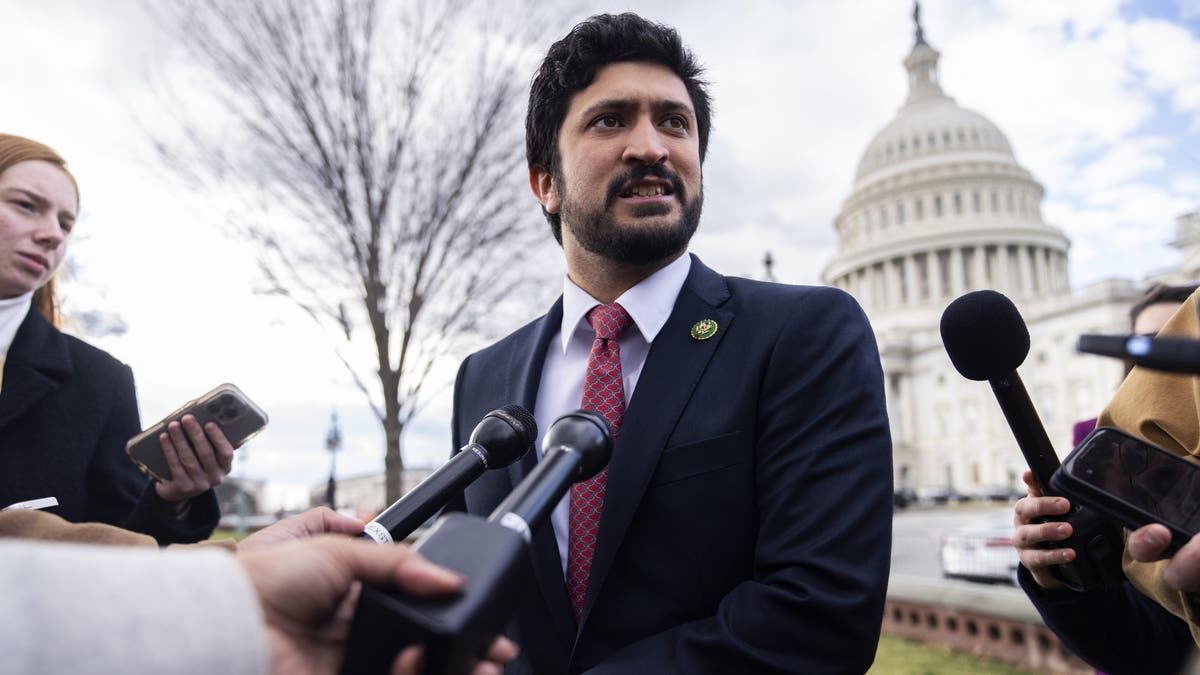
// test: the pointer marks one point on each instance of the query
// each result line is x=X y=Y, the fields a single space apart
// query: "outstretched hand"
x=308 y=589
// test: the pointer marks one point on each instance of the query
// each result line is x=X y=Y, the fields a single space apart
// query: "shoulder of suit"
x=769 y=292
x=518 y=339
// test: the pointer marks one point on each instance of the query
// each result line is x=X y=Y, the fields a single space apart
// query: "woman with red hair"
x=66 y=407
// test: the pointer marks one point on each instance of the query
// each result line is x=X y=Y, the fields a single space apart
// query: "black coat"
x=66 y=411
x=748 y=515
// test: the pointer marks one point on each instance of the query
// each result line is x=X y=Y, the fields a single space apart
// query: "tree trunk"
x=392 y=460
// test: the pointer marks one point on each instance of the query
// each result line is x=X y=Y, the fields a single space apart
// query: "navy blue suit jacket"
x=747 y=522
x=66 y=411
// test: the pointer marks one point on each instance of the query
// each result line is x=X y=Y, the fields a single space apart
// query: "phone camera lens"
x=214 y=408
x=226 y=399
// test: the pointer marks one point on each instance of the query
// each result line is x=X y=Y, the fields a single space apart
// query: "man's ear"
x=541 y=181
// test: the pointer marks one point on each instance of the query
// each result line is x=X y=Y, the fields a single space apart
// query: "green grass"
x=897 y=656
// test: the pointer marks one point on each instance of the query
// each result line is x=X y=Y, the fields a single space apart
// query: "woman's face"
x=38 y=206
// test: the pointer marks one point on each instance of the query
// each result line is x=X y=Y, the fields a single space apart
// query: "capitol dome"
x=940 y=207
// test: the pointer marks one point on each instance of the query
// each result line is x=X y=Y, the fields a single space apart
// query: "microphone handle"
x=1027 y=427
x=404 y=516
x=535 y=497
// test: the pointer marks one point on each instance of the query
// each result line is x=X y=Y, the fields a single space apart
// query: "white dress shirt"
x=560 y=391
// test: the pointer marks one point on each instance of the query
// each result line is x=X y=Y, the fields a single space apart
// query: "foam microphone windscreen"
x=984 y=335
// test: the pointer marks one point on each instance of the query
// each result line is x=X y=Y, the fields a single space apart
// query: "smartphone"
x=1133 y=483
x=239 y=418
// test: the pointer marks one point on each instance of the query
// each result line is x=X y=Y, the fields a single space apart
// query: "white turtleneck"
x=12 y=313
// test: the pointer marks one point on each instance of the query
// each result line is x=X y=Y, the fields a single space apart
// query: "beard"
x=598 y=232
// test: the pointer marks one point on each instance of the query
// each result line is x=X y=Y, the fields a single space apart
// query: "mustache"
x=639 y=172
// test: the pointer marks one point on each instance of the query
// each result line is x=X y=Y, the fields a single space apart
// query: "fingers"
x=1148 y=543
x=324 y=520
x=1183 y=572
x=1031 y=484
x=1028 y=509
x=409 y=661
x=394 y=566
x=199 y=458
x=502 y=650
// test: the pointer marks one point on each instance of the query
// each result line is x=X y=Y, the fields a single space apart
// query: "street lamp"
x=333 y=443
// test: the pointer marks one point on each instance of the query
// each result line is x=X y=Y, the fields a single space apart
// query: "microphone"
x=500 y=439
x=987 y=339
x=576 y=447
x=1168 y=353
x=493 y=555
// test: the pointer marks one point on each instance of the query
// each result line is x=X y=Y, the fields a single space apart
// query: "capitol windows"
x=975 y=136
x=901 y=147
x=922 y=261
x=932 y=138
x=968 y=257
x=943 y=259
x=937 y=205
x=976 y=202
x=900 y=213
x=962 y=137
x=916 y=143
x=883 y=218
x=1008 y=201
x=946 y=137
x=919 y=209
x=995 y=202
x=957 y=203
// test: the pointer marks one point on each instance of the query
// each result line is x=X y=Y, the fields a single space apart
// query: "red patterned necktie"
x=604 y=393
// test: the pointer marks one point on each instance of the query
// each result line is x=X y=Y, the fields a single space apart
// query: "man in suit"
x=744 y=522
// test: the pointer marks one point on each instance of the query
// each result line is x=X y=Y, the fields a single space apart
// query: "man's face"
x=628 y=182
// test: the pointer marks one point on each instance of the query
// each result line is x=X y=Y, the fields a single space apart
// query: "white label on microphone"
x=517 y=524
x=378 y=532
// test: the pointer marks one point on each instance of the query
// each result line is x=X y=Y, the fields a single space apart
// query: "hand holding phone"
x=1133 y=483
x=182 y=450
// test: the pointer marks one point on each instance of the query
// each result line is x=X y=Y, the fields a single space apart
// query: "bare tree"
x=371 y=147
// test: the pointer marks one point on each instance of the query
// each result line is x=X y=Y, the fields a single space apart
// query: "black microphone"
x=1172 y=354
x=500 y=439
x=576 y=447
x=987 y=339
x=493 y=555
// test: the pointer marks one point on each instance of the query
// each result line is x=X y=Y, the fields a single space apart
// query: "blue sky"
x=1099 y=98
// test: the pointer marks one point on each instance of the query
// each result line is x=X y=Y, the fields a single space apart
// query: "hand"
x=1028 y=534
x=199 y=459
x=1149 y=543
x=321 y=520
x=500 y=652
x=308 y=589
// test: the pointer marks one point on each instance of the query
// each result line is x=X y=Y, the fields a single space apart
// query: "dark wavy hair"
x=571 y=65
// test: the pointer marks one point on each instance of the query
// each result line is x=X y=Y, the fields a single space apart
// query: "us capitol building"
x=940 y=207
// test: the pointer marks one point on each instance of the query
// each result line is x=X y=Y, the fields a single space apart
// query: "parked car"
x=981 y=551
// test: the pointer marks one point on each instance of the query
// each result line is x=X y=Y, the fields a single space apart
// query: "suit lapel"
x=525 y=374
x=36 y=362
x=672 y=369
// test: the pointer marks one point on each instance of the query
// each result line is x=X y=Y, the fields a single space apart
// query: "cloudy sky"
x=1100 y=99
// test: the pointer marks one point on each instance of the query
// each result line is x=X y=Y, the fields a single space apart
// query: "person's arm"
x=815 y=601
x=69 y=608
x=1118 y=631
x=120 y=494
x=281 y=609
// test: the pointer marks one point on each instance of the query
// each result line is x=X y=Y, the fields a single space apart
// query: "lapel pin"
x=702 y=330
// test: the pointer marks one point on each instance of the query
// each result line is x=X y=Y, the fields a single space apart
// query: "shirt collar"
x=649 y=303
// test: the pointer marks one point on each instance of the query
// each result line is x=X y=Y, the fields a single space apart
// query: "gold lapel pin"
x=702 y=330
